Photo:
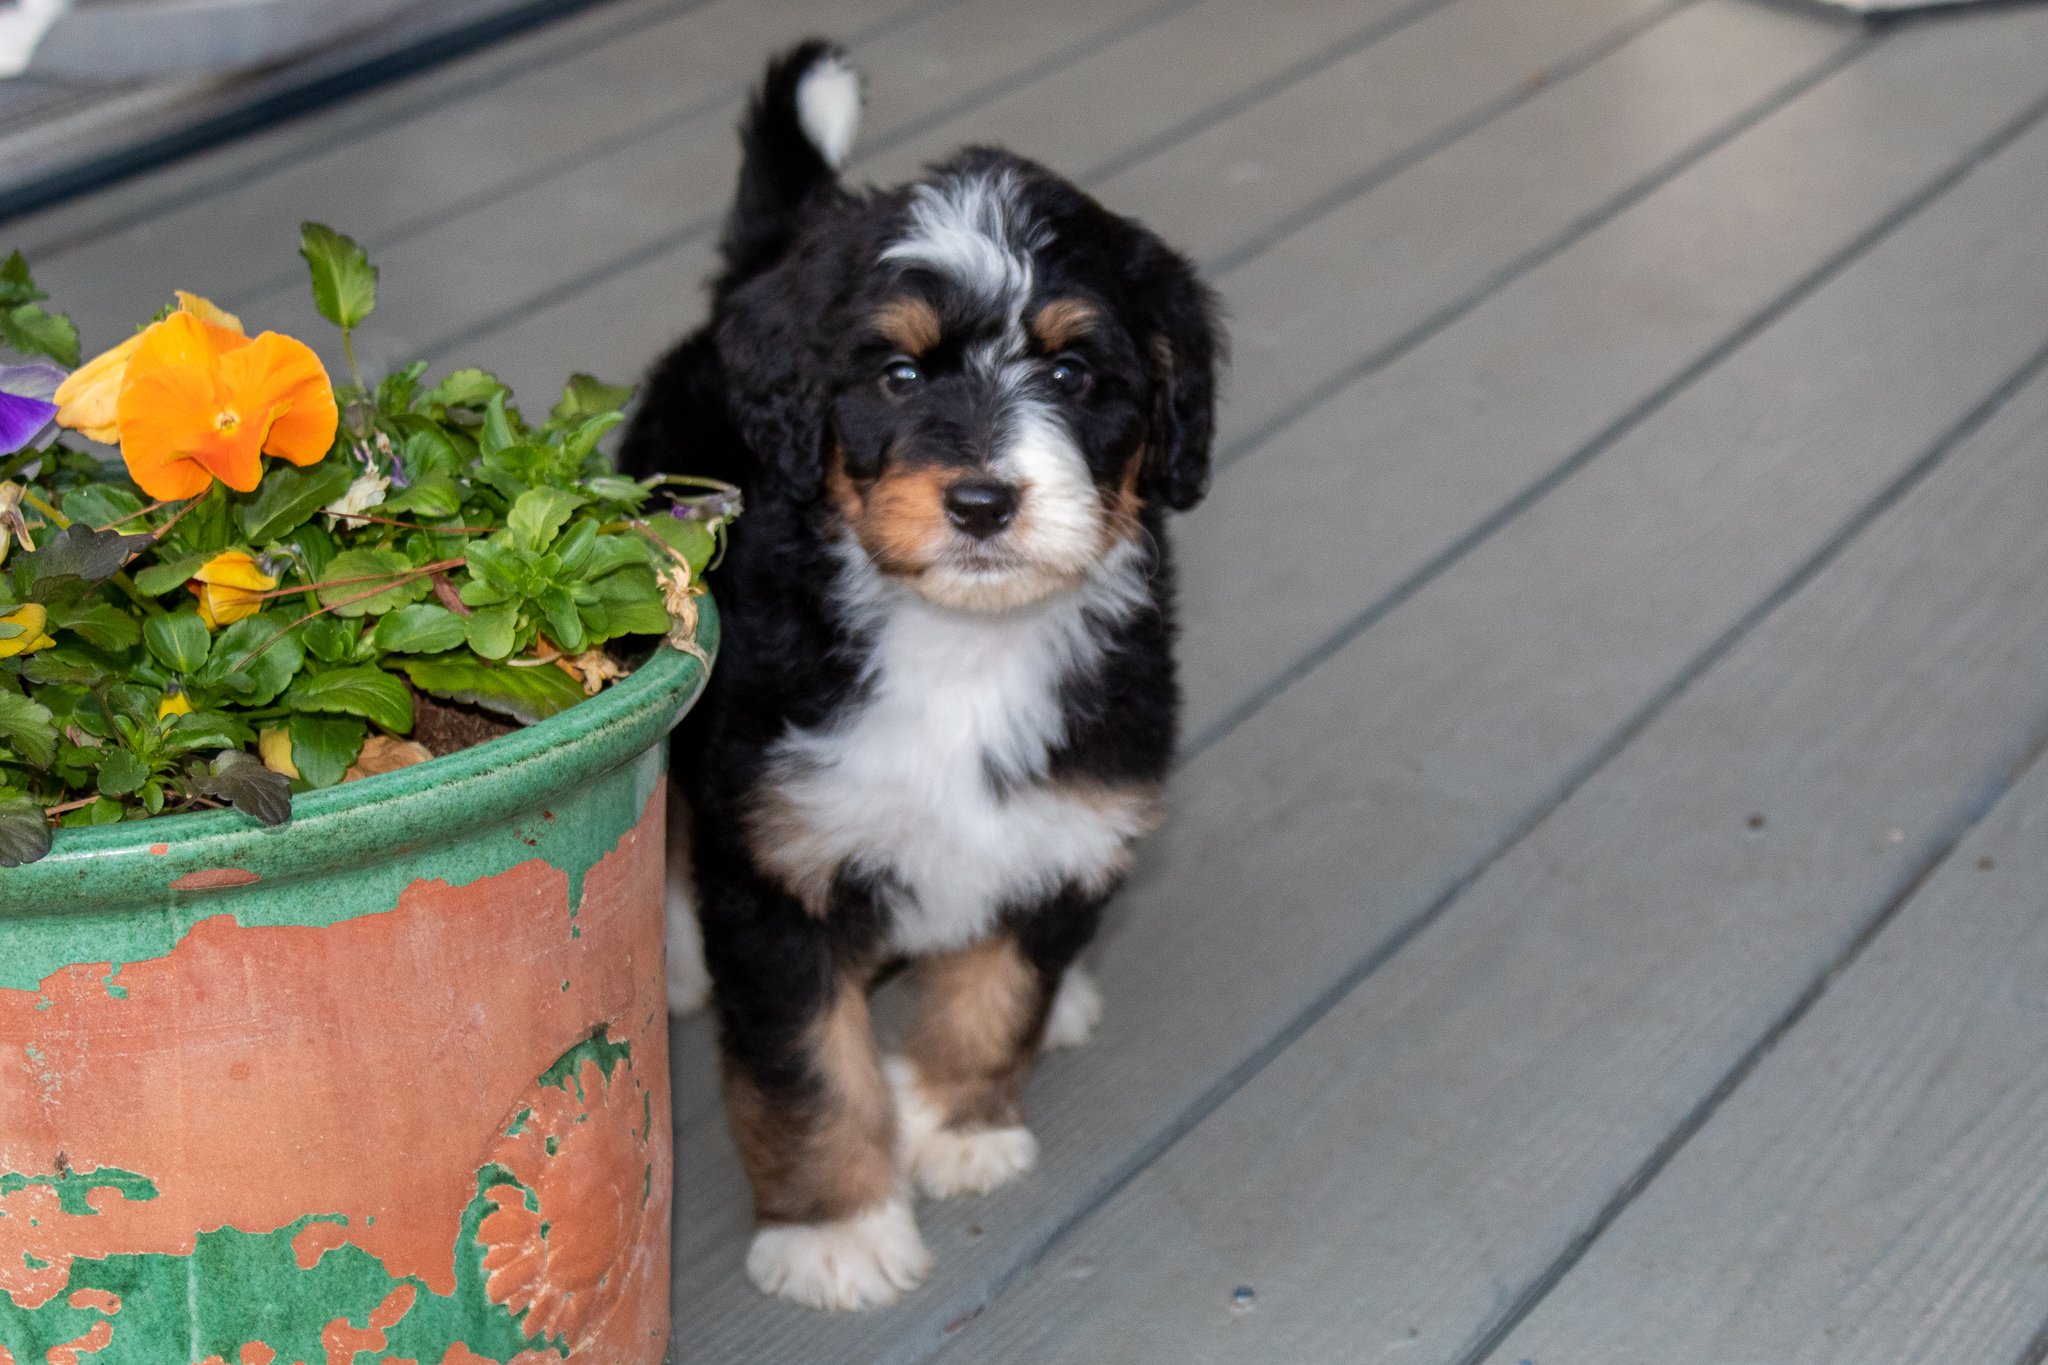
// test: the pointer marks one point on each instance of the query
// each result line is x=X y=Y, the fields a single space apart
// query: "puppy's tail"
x=796 y=136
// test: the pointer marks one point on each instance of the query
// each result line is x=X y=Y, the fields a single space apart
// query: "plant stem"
x=20 y=460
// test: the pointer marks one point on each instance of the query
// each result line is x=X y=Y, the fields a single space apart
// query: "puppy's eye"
x=901 y=375
x=1070 y=375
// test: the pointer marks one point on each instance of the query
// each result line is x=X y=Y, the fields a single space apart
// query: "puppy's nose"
x=981 y=507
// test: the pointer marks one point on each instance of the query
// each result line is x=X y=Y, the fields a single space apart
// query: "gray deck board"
x=1602 y=463
x=1402 y=1175
x=1878 y=1191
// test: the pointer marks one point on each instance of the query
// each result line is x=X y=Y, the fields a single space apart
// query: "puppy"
x=959 y=411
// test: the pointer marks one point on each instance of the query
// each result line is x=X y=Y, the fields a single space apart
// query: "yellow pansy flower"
x=31 y=618
x=275 y=746
x=230 y=587
x=173 y=704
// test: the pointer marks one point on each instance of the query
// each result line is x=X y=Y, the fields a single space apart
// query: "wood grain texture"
x=1878 y=1191
x=380 y=179
x=1373 y=788
x=1537 y=374
x=1418 y=1159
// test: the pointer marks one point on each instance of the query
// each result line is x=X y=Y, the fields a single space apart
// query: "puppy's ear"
x=1184 y=346
x=768 y=332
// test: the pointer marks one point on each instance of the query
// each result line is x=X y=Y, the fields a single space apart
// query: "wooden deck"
x=1605 y=915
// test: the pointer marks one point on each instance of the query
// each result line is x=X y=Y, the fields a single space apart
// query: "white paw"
x=860 y=1262
x=1076 y=1010
x=944 y=1162
x=689 y=984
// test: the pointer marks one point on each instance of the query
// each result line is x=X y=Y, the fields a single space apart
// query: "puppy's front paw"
x=1076 y=1010
x=947 y=1161
x=859 y=1262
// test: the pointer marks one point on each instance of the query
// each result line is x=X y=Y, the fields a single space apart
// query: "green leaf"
x=465 y=389
x=98 y=504
x=397 y=390
x=24 y=832
x=432 y=495
x=580 y=442
x=244 y=783
x=430 y=451
x=179 y=642
x=209 y=730
x=688 y=537
x=169 y=574
x=586 y=396
x=329 y=639
x=366 y=568
x=527 y=695
x=492 y=631
x=423 y=628
x=121 y=773
x=254 y=679
x=16 y=286
x=288 y=495
x=76 y=552
x=628 y=602
x=32 y=331
x=539 y=514
x=617 y=490
x=100 y=624
x=498 y=432
x=367 y=692
x=324 y=746
x=26 y=727
x=344 y=281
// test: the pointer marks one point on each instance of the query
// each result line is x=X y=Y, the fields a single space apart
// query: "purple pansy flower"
x=27 y=416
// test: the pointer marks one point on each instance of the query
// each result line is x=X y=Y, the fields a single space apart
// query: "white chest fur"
x=901 y=785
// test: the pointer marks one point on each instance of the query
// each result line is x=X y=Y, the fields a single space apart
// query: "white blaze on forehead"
x=972 y=229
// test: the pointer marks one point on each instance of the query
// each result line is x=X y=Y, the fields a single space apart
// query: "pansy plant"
x=230 y=573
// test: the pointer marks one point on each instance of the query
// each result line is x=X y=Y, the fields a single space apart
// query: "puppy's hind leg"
x=1076 y=1010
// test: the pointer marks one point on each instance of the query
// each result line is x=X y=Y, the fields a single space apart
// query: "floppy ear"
x=1185 y=345
x=768 y=350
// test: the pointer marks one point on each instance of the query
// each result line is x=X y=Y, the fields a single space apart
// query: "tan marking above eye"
x=911 y=325
x=1060 y=323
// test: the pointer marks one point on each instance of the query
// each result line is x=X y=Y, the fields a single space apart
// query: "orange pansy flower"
x=201 y=403
x=89 y=402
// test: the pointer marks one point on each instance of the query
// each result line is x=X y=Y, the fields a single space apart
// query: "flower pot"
x=392 y=1078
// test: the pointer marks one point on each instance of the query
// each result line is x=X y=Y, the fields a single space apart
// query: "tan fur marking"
x=977 y=1033
x=912 y=325
x=1060 y=322
x=900 y=518
x=834 y=1154
x=785 y=847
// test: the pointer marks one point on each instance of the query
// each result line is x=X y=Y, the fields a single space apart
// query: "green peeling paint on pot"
x=131 y=892
x=239 y=1287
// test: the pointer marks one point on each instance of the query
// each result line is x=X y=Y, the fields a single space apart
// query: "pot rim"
x=100 y=867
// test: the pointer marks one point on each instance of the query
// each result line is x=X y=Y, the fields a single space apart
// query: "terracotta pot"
x=392 y=1078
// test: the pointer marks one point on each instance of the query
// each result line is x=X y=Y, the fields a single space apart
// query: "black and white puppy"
x=959 y=410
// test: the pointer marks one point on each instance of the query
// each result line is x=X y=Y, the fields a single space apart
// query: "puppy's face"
x=1006 y=374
